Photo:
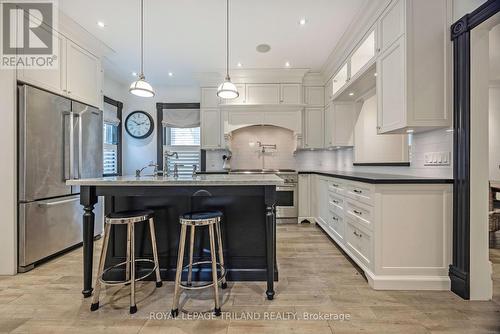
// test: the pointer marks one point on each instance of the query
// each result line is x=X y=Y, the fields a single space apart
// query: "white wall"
x=480 y=266
x=8 y=185
x=139 y=152
x=462 y=7
x=494 y=132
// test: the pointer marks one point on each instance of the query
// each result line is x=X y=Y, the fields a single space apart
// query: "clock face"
x=139 y=124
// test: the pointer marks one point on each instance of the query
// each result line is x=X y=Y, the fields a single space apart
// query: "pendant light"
x=141 y=87
x=227 y=90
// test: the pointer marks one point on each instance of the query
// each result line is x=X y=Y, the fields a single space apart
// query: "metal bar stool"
x=130 y=218
x=193 y=220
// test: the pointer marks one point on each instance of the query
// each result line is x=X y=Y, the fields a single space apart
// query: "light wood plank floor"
x=314 y=277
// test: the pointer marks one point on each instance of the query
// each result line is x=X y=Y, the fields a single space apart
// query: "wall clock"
x=139 y=124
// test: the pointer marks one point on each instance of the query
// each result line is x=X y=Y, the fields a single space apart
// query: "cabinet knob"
x=357 y=212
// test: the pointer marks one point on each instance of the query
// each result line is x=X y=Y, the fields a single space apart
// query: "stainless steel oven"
x=286 y=203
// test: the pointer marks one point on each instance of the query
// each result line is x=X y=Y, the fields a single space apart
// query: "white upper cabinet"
x=211 y=128
x=340 y=79
x=413 y=81
x=391 y=88
x=53 y=80
x=363 y=55
x=78 y=75
x=314 y=96
x=313 y=128
x=391 y=24
x=209 y=98
x=339 y=123
x=83 y=73
x=263 y=94
x=290 y=93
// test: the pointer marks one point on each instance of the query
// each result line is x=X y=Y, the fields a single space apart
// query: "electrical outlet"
x=437 y=158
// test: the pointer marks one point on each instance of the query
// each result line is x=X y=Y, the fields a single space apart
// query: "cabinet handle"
x=335 y=185
x=335 y=201
x=357 y=212
x=335 y=218
x=357 y=234
x=357 y=191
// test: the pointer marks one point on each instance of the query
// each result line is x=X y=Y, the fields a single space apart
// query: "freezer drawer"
x=49 y=226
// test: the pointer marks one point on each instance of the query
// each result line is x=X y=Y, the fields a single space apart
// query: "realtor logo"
x=28 y=40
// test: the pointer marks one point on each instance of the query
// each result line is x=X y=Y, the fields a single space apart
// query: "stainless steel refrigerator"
x=58 y=139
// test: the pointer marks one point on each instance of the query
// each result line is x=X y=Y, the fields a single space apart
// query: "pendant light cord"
x=227 y=39
x=142 y=37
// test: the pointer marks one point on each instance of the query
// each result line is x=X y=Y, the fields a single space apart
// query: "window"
x=110 y=149
x=186 y=142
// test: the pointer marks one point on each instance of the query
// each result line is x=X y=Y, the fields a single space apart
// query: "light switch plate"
x=437 y=158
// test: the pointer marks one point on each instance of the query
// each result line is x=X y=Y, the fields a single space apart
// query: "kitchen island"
x=248 y=226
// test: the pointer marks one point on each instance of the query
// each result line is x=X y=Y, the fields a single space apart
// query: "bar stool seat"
x=129 y=218
x=197 y=219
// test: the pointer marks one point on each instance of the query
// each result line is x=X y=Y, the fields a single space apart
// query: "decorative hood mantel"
x=283 y=116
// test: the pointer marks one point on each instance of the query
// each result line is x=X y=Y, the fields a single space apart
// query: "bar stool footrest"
x=125 y=282
x=204 y=286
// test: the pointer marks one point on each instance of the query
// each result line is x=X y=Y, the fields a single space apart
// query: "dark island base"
x=243 y=233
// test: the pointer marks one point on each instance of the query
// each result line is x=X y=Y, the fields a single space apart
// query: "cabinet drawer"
x=359 y=243
x=336 y=203
x=360 y=213
x=337 y=225
x=335 y=186
x=361 y=192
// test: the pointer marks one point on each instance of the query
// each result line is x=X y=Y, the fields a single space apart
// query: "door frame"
x=459 y=270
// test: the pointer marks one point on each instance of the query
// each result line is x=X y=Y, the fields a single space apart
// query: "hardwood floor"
x=314 y=278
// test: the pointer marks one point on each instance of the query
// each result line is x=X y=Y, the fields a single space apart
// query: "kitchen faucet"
x=165 y=161
x=151 y=164
x=264 y=146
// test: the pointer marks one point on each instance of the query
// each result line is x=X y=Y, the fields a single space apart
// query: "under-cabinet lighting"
x=170 y=74
x=302 y=21
x=287 y=64
x=101 y=24
x=351 y=94
x=239 y=65
x=409 y=131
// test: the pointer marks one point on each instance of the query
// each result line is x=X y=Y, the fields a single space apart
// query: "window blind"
x=186 y=143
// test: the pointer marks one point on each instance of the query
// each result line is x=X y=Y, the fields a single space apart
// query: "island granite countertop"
x=198 y=180
x=377 y=178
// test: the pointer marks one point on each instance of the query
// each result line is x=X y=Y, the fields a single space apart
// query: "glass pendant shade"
x=227 y=90
x=141 y=88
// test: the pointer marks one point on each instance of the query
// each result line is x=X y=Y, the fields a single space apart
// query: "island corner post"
x=266 y=194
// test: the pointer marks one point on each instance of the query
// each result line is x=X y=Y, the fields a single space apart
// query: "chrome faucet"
x=165 y=161
x=151 y=164
x=176 y=169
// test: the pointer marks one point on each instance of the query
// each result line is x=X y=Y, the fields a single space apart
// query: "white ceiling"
x=186 y=37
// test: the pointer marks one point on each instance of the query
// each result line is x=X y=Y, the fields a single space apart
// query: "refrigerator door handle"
x=71 y=146
x=45 y=204
x=80 y=148
x=66 y=162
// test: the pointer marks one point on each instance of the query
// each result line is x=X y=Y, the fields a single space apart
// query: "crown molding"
x=279 y=75
x=78 y=34
x=365 y=18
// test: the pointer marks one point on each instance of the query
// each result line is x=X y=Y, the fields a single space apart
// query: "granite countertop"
x=198 y=180
x=377 y=178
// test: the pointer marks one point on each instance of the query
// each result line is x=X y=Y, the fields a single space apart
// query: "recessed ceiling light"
x=101 y=24
x=134 y=74
x=409 y=131
x=170 y=74
x=375 y=74
x=351 y=94
x=302 y=21
x=287 y=64
x=239 y=64
x=263 y=48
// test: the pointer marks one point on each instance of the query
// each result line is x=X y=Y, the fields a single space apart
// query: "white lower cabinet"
x=398 y=234
x=305 y=212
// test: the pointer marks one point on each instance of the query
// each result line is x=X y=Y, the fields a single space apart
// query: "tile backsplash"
x=246 y=156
